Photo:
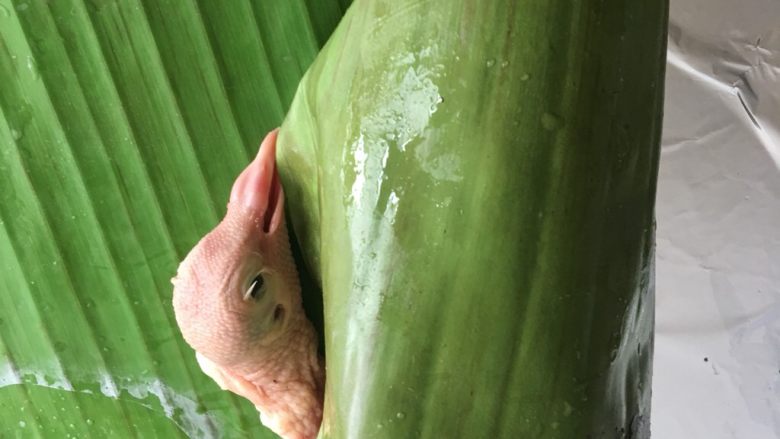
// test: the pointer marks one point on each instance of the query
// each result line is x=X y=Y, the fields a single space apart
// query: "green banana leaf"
x=473 y=184
x=122 y=126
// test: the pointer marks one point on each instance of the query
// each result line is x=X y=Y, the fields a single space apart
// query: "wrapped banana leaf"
x=473 y=183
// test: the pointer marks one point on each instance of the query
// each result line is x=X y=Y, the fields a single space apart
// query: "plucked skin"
x=260 y=346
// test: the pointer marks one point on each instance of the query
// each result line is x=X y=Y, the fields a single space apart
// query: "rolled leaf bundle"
x=473 y=184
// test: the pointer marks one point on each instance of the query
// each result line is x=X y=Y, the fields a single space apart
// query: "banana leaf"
x=473 y=185
x=122 y=126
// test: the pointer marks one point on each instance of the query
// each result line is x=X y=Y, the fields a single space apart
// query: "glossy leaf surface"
x=473 y=183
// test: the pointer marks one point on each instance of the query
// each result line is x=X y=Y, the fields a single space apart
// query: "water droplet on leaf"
x=32 y=67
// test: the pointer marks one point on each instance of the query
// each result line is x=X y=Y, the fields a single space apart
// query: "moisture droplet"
x=525 y=77
x=32 y=67
x=504 y=64
x=567 y=409
x=89 y=421
x=22 y=424
x=490 y=63
x=22 y=7
x=400 y=415
x=550 y=121
x=16 y=134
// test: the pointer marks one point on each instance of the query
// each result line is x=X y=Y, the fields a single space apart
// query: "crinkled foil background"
x=717 y=355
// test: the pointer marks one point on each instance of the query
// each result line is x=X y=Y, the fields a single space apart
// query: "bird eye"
x=256 y=288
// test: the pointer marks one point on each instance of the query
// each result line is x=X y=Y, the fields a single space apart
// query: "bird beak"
x=258 y=190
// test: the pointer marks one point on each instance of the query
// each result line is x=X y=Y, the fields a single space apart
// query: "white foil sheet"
x=717 y=351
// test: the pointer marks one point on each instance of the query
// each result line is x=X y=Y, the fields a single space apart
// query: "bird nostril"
x=278 y=313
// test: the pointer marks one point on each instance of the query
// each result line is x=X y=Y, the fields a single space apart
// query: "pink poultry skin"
x=237 y=301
